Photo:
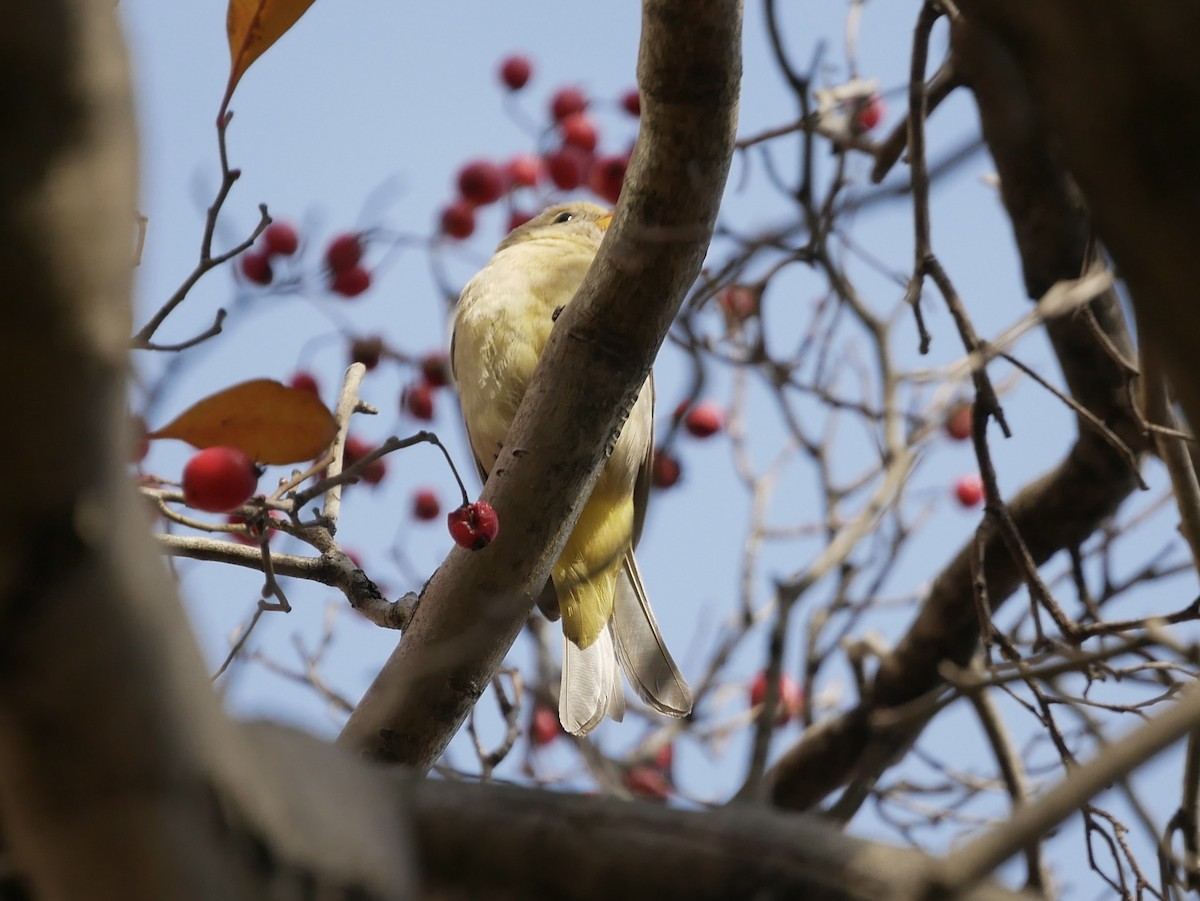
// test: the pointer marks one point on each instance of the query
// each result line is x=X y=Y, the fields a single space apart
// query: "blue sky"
x=359 y=119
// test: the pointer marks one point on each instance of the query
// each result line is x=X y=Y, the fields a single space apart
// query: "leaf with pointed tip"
x=253 y=26
x=271 y=422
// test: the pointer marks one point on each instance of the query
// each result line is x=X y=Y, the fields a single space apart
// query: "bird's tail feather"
x=640 y=648
x=591 y=685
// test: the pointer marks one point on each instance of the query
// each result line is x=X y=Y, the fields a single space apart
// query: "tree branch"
x=534 y=844
x=1053 y=513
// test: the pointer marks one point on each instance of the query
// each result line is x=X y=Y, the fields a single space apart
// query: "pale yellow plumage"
x=501 y=326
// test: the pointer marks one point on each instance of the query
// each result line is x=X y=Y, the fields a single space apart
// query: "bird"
x=501 y=325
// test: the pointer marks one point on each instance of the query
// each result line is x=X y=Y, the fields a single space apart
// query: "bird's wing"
x=591 y=685
x=547 y=601
x=645 y=476
x=640 y=648
x=466 y=426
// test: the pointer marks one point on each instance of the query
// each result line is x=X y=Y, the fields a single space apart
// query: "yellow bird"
x=503 y=320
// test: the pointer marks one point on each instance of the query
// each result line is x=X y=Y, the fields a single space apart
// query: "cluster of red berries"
x=343 y=259
x=279 y=239
x=702 y=420
x=968 y=489
x=571 y=163
x=417 y=398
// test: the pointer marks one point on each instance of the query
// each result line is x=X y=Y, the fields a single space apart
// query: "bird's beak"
x=604 y=221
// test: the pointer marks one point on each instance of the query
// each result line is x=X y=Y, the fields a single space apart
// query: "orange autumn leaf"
x=253 y=26
x=271 y=422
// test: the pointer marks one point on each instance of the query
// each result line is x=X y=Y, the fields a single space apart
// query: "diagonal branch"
x=598 y=356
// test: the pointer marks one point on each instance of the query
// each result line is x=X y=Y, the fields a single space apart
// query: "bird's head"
x=576 y=221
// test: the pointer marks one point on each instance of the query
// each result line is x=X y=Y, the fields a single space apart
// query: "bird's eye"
x=564 y=217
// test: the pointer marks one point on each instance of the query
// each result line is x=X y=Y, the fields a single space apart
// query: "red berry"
x=425 y=505
x=665 y=470
x=647 y=782
x=568 y=167
x=219 y=479
x=254 y=528
x=631 y=102
x=418 y=401
x=435 y=369
x=544 y=727
x=579 y=130
x=790 y=701
x=481 y=182
x=344 y=252
x=704 y=420
x=350 y=282
x=517 y=218
x=305 y=381
x=281 y=239
x=524 y=170
x=515 y=72
x=458 y=219
x=958 y=422
x=473 y=526
x=567 y=101
x=969 y=489
x=367 y=351
x=738 y=303
x=607 y=177
x=256 y=267
x=664 y=757
x=355 y=450
x=870 y=113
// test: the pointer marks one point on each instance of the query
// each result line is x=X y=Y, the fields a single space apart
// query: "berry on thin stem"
x=281 y=239
x=515 y=72
x=256 y=267
x=473 y=526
